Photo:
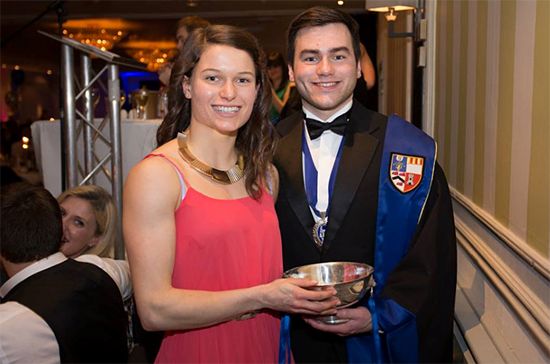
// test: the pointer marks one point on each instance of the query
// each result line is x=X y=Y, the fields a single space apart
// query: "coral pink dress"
x=224 y=245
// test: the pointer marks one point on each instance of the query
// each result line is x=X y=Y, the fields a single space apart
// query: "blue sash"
x=407 y=166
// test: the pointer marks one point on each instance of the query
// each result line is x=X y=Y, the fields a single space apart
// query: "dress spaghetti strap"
x=183 y=184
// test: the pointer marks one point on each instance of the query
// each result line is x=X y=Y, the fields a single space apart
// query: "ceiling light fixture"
x=384 y=6
x=153 y=53
x=100 y=33
x=99 y=38
x=391 y=7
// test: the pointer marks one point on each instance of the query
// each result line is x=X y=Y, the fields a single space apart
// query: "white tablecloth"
x=138 y=138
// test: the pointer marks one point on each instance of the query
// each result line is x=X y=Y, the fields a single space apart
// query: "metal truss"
x=80 y=127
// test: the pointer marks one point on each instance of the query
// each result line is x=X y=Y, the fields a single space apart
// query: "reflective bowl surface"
x=351 y=281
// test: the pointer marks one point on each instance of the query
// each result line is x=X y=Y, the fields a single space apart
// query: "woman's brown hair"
x=255 y=139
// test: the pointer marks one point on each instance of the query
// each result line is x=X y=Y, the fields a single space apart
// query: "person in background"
x=164 y=72
x=359 y=186
x=364 y=90
x=367 y=68
x=89 y=233
x=89 y=221
x=53 y=309
x=199 y=223
x=282 y=89
x=186 y=25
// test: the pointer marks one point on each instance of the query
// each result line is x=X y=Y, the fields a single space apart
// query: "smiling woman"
x=223 y=96
x=199 y=222
x=225 y=87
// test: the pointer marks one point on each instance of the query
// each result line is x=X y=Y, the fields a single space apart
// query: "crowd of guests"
x=225 y=204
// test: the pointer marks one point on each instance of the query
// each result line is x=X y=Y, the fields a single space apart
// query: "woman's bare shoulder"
x=156 y=160
x=155 y=171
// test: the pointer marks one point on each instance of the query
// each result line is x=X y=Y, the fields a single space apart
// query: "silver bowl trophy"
x=351 y=281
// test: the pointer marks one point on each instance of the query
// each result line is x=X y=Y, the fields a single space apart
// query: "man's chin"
x=322 y=107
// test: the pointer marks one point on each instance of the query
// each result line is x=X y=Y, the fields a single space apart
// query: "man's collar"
x=32 y=269
x=337 y=113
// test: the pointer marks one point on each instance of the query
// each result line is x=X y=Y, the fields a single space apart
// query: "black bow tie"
x=315 y=128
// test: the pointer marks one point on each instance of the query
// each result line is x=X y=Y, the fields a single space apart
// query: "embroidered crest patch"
x=406 y=171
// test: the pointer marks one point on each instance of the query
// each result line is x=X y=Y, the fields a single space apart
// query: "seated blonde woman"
x=89 y=232
x=89 y=221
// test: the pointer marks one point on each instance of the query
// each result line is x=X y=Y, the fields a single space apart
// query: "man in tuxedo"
x=359 y=186
x=53 y=309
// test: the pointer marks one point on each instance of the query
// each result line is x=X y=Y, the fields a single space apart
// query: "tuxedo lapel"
x=358 y=150
x=290 y=150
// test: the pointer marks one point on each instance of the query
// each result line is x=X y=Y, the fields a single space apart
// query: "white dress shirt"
x=24 y=336
x=323 y=152
x=117 y=269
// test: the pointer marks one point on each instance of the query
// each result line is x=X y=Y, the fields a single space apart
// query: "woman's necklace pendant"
x=232 y=175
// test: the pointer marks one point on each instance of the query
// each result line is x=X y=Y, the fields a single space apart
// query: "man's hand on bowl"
x=359 y=320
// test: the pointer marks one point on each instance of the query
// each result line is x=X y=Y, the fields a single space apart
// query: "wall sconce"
x=391 y=7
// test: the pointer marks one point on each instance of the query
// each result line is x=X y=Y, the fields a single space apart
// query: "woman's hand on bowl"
x=298 y=295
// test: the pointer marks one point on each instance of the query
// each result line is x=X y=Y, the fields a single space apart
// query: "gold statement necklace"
x=228 y=177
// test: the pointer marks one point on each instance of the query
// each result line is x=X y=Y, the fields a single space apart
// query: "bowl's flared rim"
x=369 y=271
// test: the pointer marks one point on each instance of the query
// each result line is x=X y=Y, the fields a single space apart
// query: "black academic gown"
x=423 y=283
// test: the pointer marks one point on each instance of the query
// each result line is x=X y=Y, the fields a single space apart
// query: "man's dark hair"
x=32 y=228
x=318 y=16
